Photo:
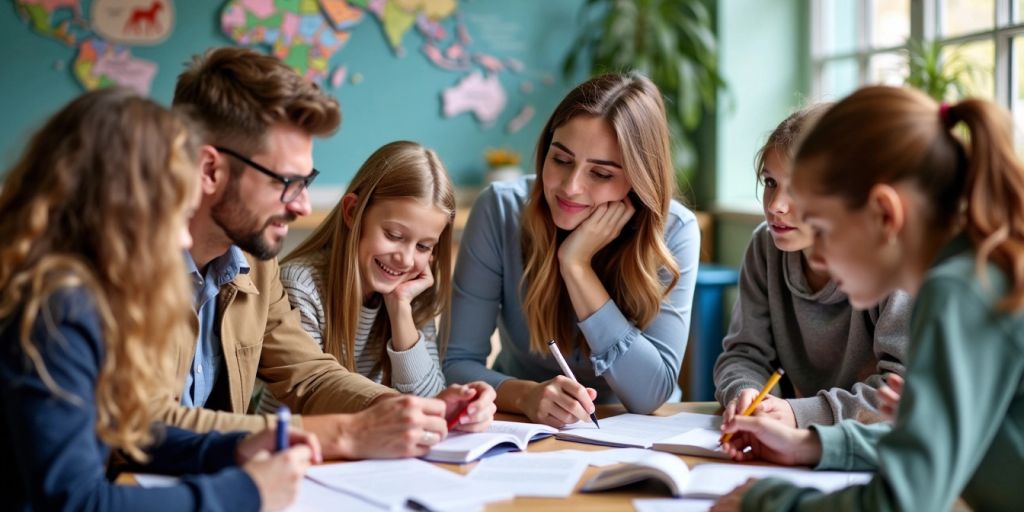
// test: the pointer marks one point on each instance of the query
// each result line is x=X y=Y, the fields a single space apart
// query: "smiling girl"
x=592 y=252
x=365 y=282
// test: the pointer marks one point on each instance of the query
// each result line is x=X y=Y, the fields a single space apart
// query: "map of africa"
x=306 y=34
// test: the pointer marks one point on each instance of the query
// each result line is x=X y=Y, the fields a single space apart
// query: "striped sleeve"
x=417 y=371
x=302 y=283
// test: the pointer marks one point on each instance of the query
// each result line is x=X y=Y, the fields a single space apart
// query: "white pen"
x=553 y=347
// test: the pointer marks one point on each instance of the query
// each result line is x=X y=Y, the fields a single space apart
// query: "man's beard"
x=237 y=222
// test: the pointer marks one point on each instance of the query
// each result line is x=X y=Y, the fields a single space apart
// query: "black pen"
x=568 y=373
x=412 y=504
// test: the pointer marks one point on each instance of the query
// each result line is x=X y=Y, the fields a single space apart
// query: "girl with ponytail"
x=898 y=198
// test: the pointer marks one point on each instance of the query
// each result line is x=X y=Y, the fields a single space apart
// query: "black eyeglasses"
x=292 y=186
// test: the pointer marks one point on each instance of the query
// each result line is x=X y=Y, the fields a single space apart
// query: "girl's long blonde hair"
x=400 y=169
x=637 y=268
x=890 y=135
x=92 y=204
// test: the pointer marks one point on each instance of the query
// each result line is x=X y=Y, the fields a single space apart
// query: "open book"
x=713 y=480
x=502 y=436
x=702 y=442
x=687 y=433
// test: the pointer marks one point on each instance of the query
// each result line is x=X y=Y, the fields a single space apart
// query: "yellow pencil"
x=772 y=381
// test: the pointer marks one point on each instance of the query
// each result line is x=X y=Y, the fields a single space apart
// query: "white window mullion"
x=930 y=17
x=863 y=40
x=817 y=22
x=1003 y=72
x=1003 y=14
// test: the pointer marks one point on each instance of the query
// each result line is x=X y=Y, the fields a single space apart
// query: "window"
x=866 y=42
x=857 y=42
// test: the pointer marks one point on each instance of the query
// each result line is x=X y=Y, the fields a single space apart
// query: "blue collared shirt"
x=203 y=373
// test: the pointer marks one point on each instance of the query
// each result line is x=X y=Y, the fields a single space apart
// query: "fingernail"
x=471 y=410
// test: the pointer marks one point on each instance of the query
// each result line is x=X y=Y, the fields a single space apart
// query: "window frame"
x=925 y=25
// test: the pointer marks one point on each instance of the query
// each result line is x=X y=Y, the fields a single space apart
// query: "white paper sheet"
x=390 y=483
x=543 y=475
x=314 y=497
x=702 y=442
x=638 y=430
x=672 y=505
x=601 y=458
x=720 y=479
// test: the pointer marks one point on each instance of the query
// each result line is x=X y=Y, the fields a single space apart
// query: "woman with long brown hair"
x=592 y=252
x=94 y=303
x=897 y=199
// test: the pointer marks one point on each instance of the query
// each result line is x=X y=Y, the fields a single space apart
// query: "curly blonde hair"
x=98 y=201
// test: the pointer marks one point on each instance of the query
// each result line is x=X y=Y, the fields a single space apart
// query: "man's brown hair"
x=237 y=94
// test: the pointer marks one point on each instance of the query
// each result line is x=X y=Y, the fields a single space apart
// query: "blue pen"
x=284 y=417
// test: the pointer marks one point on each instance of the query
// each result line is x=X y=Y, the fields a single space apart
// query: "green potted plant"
x=672 y=42
x=941 y=75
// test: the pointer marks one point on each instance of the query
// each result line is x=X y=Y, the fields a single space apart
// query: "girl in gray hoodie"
x=790 y=314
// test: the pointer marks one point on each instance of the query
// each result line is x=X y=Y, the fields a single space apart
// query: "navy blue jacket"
x=52 y=458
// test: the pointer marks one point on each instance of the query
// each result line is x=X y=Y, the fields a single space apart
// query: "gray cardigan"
x=638 y=367
x=834 y=356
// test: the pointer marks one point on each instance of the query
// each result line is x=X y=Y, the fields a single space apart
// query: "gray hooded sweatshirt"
x=835 y=357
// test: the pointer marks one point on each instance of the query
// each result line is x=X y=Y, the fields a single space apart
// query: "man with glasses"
x=259 y=119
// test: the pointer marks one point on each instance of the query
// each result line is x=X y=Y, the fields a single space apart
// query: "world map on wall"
x=306 y=34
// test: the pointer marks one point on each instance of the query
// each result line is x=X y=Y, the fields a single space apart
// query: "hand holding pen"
x=276 y=460
x=557 y=354
x=469 y=407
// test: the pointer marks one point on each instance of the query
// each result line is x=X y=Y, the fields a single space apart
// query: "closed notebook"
x=713 y=480
x=502 y=436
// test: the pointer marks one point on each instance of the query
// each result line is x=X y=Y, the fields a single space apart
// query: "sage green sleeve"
x=963 y=373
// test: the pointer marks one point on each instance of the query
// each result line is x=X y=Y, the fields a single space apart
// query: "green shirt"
x=960 y=426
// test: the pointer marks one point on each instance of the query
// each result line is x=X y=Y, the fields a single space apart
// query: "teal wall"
x=764 y=56
x=398 y=99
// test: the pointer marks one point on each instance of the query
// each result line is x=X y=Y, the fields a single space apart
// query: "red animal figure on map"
x=144 y=20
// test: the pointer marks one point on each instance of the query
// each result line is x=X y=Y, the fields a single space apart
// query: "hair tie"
x=944 y=114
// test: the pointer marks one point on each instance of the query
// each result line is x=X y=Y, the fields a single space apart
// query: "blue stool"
x=706 y=328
